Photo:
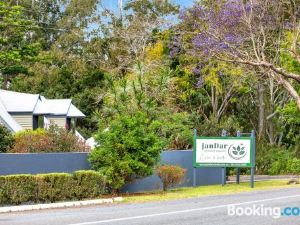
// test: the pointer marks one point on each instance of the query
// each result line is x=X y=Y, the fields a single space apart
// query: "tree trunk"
x=261 y=111
x=291 y=90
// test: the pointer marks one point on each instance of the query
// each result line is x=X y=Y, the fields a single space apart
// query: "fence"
x=34 y=163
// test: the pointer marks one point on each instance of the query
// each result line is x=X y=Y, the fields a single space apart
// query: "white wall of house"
x=24 y=119
x=60 y=121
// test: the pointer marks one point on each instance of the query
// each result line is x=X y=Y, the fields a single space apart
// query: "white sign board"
x=223 y=151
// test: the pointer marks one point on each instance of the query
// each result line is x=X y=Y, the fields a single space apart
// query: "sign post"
x=225 y=152
x=253 y=158
x=194 y=169
x=224 y=134
x=238 y=170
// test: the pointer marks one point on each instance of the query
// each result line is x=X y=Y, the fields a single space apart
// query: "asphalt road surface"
x=212 y=210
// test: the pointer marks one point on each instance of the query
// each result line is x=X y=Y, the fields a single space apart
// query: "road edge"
x=21 y=208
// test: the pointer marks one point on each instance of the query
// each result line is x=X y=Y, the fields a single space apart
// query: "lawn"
x=190 y=192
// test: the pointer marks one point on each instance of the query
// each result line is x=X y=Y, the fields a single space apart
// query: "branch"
x=277 y=70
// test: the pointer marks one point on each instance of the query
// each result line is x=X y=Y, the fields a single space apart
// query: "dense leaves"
x=170 y=175
x=230 y=65
x=51 y=187
x=129 y=149
x=53 y=139
x=6 y=139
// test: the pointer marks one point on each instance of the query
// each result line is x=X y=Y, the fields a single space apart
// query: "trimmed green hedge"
x=52 y=187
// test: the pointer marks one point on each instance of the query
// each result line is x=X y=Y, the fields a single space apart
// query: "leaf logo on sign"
x=237 y=152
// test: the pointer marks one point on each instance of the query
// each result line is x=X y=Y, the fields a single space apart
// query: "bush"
x=273 y=160
x=176 y=128
x=129 y=149
x=213 y=127
x=52 y=140
x=293 y=166
x=54 y=187
x=6 y=139
x=17 y=189
x=88 y=184
x=170 y=175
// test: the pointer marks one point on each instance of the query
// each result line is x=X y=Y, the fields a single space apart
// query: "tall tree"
x=252 y=33
x=16 y=45
x=122 y=41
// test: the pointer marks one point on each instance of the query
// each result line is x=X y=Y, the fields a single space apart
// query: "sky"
x=113 y=4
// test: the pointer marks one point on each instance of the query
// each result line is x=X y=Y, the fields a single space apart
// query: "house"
x=19 y=111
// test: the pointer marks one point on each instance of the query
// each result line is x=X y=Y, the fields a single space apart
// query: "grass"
x=190 y=192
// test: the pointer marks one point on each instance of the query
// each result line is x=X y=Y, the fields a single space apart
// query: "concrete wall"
x=70 y=162
x=204 y=176
x=34 y=163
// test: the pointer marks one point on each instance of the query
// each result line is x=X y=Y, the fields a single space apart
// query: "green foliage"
x=86 y=88
x=128 y=149
x=88 y=184
x=290 y=121
x=176 y=129
x=54 y=187
x=6 y=139
x=212 y=127
x=53 y=139
x=17 y=189
x=23 y=188
x=16 y=46
x=274 y=160
x=293 y=166
x=170 y=175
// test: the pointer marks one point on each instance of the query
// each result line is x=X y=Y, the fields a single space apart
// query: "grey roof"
x=53 y=106
x=7 y=120
x=18 y=102
x=74 y=112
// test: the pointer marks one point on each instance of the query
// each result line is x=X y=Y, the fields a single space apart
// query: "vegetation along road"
x=197 y=210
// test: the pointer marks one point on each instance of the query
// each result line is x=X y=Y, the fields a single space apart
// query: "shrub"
x=17 y=189
x=54 y=187
x=52 y=140
x=273 y=160
x=170 y=175
x=88 y=184
x=3 y=192
x=214 y=127
x=65 y=141
x=6 y=139
x=128 y=150
x=293 y=166
x=176 y=128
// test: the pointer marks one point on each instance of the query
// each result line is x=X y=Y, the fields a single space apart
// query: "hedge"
x=52 y=187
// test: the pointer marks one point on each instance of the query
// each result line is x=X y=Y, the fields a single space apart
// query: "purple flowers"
x=217 y=28
x=175 y=46
x=200 y=82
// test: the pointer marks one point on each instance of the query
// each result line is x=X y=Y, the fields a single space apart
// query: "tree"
x=254 y=34
x=122 y=42
x=128 y=149
x=45 y=14
x=16 y=45
x=63 y=70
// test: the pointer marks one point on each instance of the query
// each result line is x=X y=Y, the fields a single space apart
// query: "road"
x=210 y=210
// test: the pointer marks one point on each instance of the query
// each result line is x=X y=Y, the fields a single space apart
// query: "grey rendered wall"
x=204 y=176
x=69 y=162
x=33 y=163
